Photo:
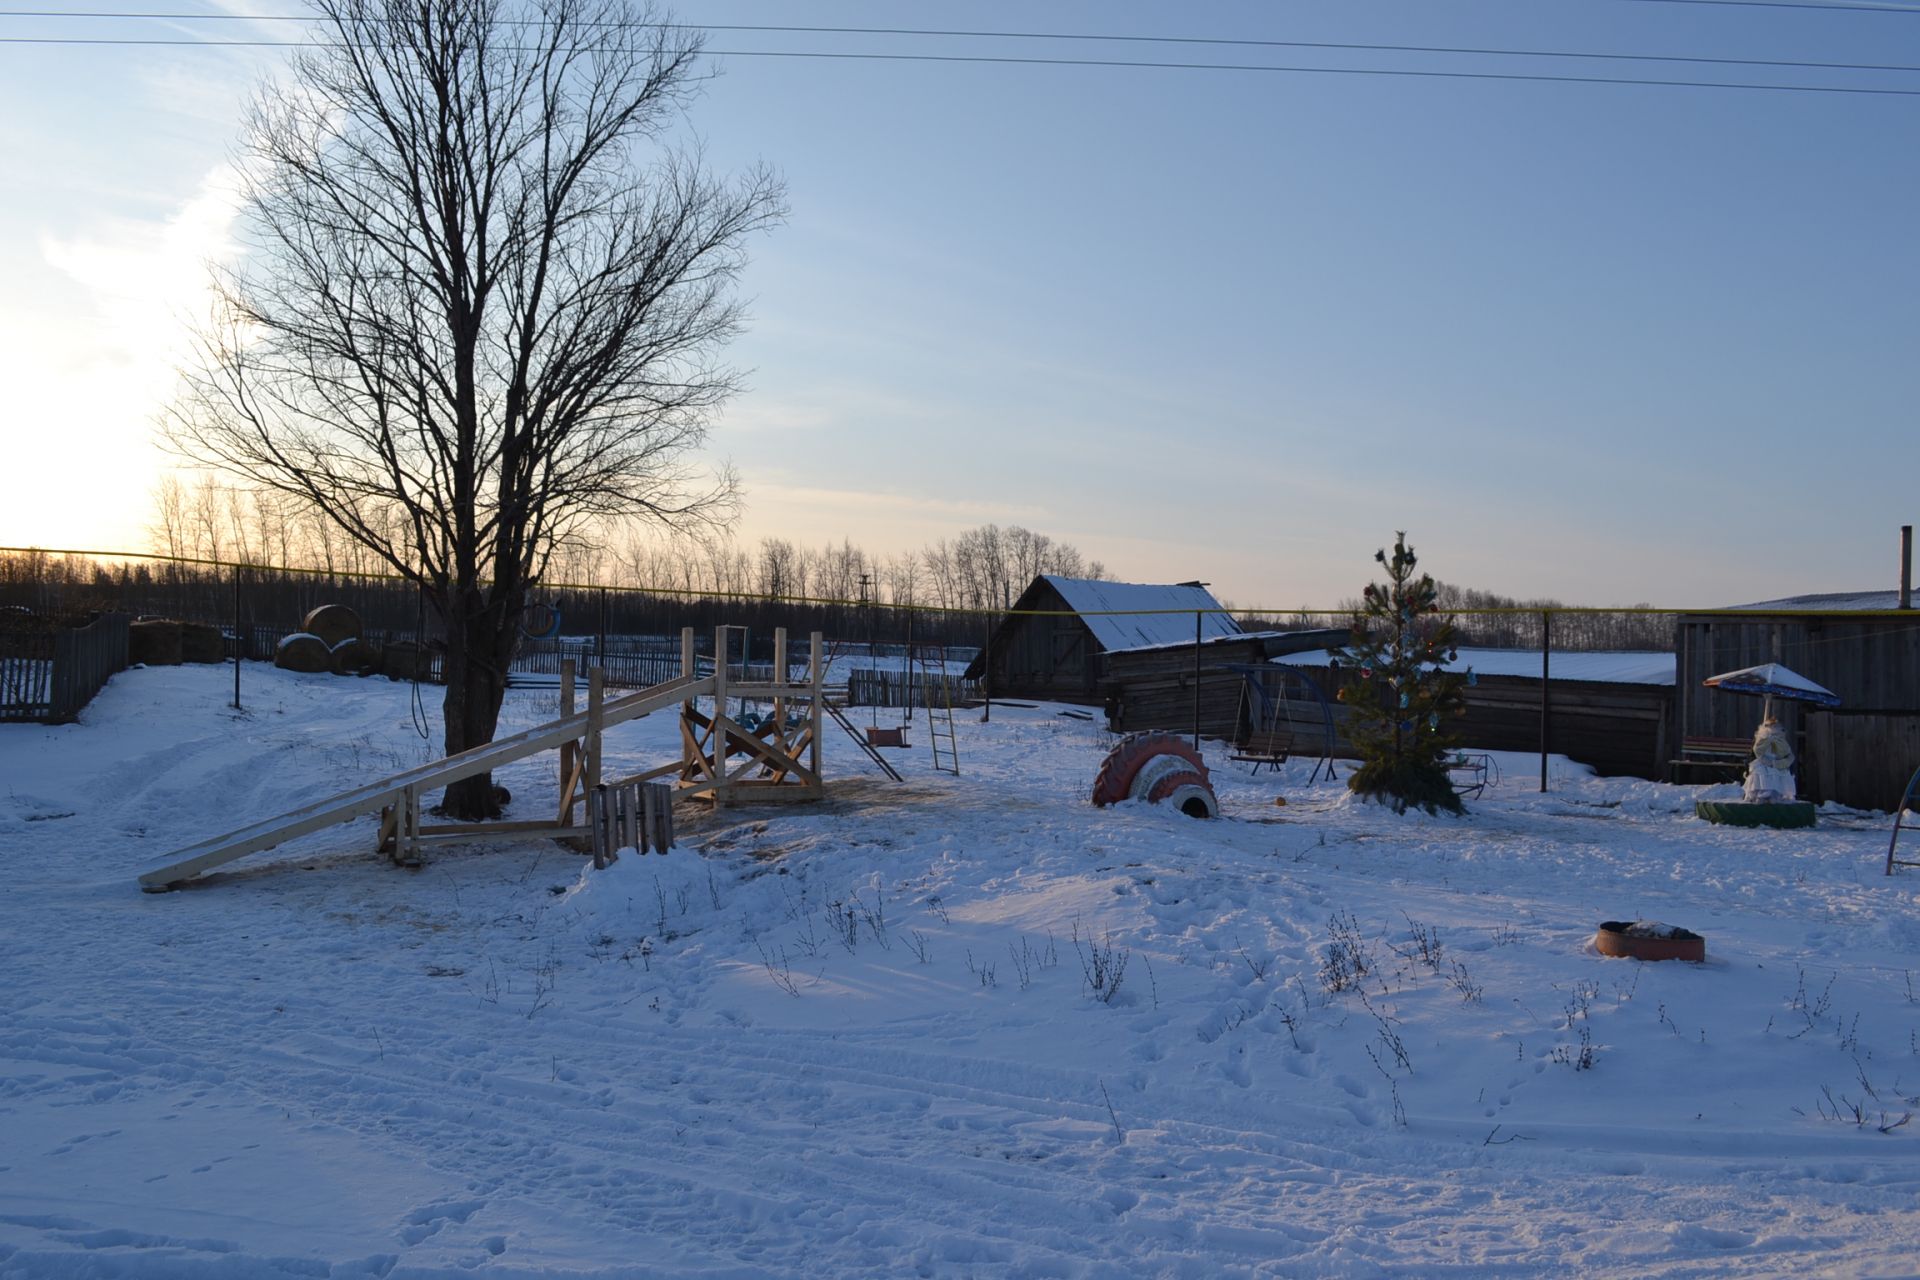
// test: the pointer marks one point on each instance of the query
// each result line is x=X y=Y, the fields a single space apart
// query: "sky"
x=1607 y=343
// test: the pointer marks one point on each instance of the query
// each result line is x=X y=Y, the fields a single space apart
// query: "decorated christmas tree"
x=1402 y=703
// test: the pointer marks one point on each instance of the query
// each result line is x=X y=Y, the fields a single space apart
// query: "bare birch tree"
x=481 y=302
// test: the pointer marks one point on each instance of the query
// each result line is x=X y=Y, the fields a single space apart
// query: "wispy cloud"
x=147 y=282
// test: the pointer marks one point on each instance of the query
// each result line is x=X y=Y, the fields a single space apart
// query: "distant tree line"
x=654 y=586
x=940 y=594
x=1582 y=631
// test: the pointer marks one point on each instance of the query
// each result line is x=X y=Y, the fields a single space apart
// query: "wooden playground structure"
x=725 y=758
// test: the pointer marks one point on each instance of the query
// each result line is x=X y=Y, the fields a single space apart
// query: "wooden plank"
x=718 y=744
x=220 y=850
x=596 y=725
x=489 y=828
x=780 y=674
x=569 y=775
x=654 y=774
x=570 y=782
x=529 y=831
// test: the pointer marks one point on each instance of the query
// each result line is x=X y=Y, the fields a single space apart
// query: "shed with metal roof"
x=1053 y=643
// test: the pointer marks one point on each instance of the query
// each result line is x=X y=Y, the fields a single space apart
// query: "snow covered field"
x=865 y=1038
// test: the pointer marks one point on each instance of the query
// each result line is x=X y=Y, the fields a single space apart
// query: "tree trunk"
x=480 y=640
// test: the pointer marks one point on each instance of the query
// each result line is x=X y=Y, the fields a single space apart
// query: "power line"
x=1098 y=37
x=1001 y=60
x=1788 y=4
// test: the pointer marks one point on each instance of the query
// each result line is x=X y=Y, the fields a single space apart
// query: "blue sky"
x=1603 y=342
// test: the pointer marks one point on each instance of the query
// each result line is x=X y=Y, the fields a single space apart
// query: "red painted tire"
x=1188 y=792
x=1115 y=779
x=1156 y=767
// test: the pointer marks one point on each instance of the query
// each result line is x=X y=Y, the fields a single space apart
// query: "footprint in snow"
x=430 y=1220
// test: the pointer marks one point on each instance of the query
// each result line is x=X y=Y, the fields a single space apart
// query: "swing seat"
x=1270 y=747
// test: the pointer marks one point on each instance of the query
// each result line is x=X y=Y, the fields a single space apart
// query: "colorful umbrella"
x=1773 y=681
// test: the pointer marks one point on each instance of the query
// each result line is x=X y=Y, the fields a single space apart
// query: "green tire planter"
x=1739 y=813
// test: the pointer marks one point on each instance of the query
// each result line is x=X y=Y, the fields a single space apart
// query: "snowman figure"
x=1770 y=776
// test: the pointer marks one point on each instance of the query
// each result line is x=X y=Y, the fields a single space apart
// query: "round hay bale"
x=332 y=623
x=201 y=643
x=355 y=658
x=154 y=641
x=303 y=652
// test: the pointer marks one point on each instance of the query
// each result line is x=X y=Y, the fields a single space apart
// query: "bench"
x=1713 y=753
x=1270 y=747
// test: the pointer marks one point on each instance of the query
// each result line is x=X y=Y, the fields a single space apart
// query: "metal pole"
x=1196 y=679
x=238 y=641
x=1906 y=566
x=986 y=677
x=1546 y=670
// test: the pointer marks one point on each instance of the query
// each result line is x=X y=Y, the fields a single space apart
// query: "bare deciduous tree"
x=479 y=309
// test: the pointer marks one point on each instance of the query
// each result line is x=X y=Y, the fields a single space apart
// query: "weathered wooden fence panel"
x=1859 y=758
x=871 y=687
x=26 y=679
x=84 y=659
x=49 y=676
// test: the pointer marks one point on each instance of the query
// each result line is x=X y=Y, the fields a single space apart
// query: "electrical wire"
x=1787 y=4
x=1083 y=62
x=1077 y=36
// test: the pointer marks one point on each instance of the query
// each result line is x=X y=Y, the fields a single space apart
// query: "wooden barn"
x=1154 y=687
x=1053 y=644
x=1860 y=753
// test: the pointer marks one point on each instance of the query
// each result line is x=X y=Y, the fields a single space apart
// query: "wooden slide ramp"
x=377 y=796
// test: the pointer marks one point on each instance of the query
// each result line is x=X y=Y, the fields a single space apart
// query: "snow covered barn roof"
x=1863 y=600
x=1127 y=625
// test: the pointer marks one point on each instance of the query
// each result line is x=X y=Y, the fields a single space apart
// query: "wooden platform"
x=782 y=763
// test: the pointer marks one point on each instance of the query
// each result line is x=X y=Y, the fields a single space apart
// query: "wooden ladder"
x=946 y=747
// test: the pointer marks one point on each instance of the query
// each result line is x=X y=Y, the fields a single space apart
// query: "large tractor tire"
x=1159 y=768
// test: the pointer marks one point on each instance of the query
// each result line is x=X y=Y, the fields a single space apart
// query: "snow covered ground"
x=882 y=1036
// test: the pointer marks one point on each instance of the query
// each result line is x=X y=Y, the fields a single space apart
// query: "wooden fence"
x=871 y=687
x=1617 y=728
x=26 y=678
x=47 y=677
x=1859 y=758
x=630 y=667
